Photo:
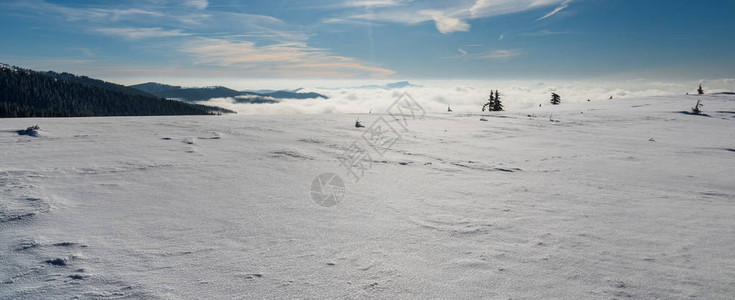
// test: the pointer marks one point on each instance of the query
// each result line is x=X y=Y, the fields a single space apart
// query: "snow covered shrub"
x=32 y=131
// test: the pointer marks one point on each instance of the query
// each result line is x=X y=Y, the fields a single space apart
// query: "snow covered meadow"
x=622 y=198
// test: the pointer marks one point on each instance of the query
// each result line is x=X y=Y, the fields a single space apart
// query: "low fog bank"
x=468 y=96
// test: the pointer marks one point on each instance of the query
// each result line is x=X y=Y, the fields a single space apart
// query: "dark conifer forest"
x=27 y=93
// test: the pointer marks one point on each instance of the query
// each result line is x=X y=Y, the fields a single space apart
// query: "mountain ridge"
x=207 y=93
x=387 y=86
x=29 y=93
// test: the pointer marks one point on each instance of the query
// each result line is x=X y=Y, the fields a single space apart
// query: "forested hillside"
x=27 y=93
x=97 y=83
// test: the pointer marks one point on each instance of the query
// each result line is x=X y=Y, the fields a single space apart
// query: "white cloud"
x=218 y=42
x=463 y=96
x=462 y=54
x=140 y=33
x=545 y=33
x=143 y=13
x=500 y=54
x=446 y=24
x=564 y=5
x=478 y=6
x=198 y=4
x=86 y=14
x=117 y=14
x=372 y=3
x=452 y=16
x=347 y=21
x=490 y=8
x=291 y=59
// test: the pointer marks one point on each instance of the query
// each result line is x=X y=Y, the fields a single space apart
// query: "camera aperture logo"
x=327 y=189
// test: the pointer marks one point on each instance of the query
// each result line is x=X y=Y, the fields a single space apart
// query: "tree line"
x=494 y=103
x=27 y=93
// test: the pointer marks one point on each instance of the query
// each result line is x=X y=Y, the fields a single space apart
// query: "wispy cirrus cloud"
x=118 y=12
x=373 y=3
x=131 y=33
x=84 y=14
x=498 y=54
x=198 y=4
x=347 y=21
x=289 y=58
x=351 y=4
x=546 y=33
x=453 y=16
x=220 y=41
x=113 y=14
x=559 y=8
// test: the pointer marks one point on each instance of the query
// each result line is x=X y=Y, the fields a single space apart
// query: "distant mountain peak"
x=152 y=85
x=387 y=86
x=272 y=91
x=400 y=85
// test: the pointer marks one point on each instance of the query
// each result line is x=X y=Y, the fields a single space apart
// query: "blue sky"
x=372 y=39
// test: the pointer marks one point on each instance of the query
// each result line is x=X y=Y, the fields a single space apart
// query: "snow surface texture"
x=618 y=199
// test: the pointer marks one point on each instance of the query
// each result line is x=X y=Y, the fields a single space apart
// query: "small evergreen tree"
x=696 y=107
x=555 y=99
x=490 y=102
x=700 y=90
x=497 y=106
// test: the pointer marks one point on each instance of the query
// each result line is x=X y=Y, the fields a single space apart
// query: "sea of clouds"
x=468 y=96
